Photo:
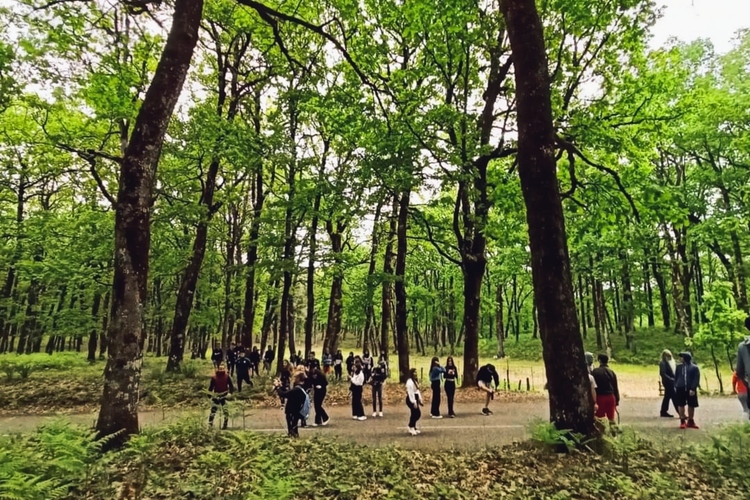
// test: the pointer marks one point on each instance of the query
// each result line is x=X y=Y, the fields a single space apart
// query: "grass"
x=185 y=460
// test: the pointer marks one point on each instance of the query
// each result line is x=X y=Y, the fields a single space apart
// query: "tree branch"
x=431 y=237
x=90 y=157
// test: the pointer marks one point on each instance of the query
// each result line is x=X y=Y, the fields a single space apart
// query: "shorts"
x=482 y=385
x=683 y=398
x=607 y=406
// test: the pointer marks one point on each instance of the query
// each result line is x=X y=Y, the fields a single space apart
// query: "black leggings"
x=669 y=397
x=320 y=414
x=219 y=401
x=415 y=414
x=243 y=377
x=377 y=395
x=357 y=409
x=292 y=424
x=435 y=408
x=337 y=371
x=450 y=392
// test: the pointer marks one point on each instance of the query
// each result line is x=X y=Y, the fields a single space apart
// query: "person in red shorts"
x=607 y=392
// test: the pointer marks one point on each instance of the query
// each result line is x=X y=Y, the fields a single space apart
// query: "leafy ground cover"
x=186 y=461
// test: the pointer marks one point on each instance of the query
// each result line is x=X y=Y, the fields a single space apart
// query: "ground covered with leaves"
x=185 y=461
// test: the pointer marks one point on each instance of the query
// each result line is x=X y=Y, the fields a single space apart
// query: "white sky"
x=687 y=20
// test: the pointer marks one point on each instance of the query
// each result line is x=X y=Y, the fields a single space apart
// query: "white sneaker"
x=413 y=431
x=374 y=414
x=362 y=418
x=313 y=425
x=436 y=416
x=354 y=418
x=380 y=414
x=417 y=431
x=325 y=422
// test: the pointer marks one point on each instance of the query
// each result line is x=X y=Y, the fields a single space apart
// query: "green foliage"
x=726 y=459
x=546 y=434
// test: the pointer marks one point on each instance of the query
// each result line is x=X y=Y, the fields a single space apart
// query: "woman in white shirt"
x=413 y=401
x=357 y=383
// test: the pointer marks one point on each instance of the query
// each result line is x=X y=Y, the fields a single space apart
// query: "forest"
x=365 y=172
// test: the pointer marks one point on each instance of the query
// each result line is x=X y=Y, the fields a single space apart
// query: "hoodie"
x=688 y=375
x=743 y=361
x=488 y=374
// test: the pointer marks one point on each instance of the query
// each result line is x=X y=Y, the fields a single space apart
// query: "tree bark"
x=569 y=387
x=387 y=291
x=119 y=410
x=310 y=285
x=402 y=335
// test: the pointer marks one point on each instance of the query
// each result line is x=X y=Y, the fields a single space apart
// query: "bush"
x=726 y=458
x=8 y=368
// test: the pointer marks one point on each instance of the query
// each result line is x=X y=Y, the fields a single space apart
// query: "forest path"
x=469 y=431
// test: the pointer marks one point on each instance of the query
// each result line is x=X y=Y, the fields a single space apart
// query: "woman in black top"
x=377 y=379
x=320 y=388
x=350 y=364
x=451 y=377
x=285 y=379
x=338 y=360
x=295 y=400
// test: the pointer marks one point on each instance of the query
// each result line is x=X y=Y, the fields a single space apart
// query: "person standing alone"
x=436 y=376
x=356 y=386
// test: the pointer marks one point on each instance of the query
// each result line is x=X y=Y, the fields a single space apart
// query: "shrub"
x=8 y=368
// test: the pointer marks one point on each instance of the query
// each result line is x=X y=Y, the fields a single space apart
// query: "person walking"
x=244 y=366
x=217 y=355
x=377 y=379
x=296 y=399
x=687 y=380
x=607 y=391
x=356 y=387
x=285 y=378
x=413 y=402
x=320 y=389
x=338 y=361
x=255 y=361
x=667 y=371
x=741 y=390
x=220 y=387
x=231 y=358
x=436 y=377
x=450 y=380
x=268 y=358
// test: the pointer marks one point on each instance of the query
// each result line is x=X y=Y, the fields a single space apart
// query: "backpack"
x=305 y=410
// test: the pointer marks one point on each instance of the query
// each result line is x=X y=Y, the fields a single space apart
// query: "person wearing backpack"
x=320 y=389
x=297 y=402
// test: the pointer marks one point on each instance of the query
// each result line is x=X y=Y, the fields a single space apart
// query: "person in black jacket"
x=217 y=356
x=244 y=365
x=320 y=389
x=255 y=361
x=285 y=379
x=450 y=377
x=485 y=376
x=295 y=400
x=220 y=387
x=231 y=358
x=667 y=369
x=607 y=391
x=312 y=363
x=377 y=379
x=350 y=364
x=338 y=360
x=268 y=358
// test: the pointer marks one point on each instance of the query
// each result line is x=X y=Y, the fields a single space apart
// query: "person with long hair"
x=338 y=360
x=413 y=401
x=356 y=387
x=450 y=380
x=320 y=389
x=436 y=376
x=285 y=378
x=667 y=371
x=295 y=401
x=377 y=379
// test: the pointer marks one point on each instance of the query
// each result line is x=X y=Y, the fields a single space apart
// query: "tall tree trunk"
x=568 y=382
x=649 y=292
x=499 y=322
x=94 y=333
x=370 y=327
x=248 y=309
x=387 y=291
x=402 y=334
x=310 y=285
x=335 y=305
x=663 y=293
x=119 y=410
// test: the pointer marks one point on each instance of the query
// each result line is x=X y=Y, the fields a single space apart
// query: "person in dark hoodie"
x=743 y=359
x=377 y=379
x=217 y=355
x=687 y=380
x=350 y=364
x=607 y=391
x=485 y=376
x=320 y=389
x=436 y=376
x=231 y=358
x=255 y=361
x=268 y=358
x=295 y=401
x=338 y=360
x=244 y=365
x=284 y=380
x=220 y=387
x=451 y=377
x=667 y=369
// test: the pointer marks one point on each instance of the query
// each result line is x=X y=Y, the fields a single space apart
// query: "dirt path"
x=468 y=431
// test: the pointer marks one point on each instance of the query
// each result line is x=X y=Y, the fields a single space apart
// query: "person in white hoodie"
x=356 y=386
x=413 y=401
